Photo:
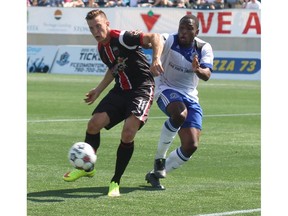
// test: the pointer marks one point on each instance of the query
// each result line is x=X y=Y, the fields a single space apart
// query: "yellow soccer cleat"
x=114 y=190
x=76 y=174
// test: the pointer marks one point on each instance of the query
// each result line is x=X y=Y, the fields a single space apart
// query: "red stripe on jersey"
x=124 y=81
x=109 y=53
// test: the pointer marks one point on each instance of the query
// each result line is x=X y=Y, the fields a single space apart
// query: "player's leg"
x=95 y=124
x=170 y=102
x=189 y=141
x=189 y=138
x=124 y=152
x=138 y=103
x=102 y=116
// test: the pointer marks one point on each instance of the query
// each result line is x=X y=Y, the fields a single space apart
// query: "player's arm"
x=94 y=93
x=155 y=41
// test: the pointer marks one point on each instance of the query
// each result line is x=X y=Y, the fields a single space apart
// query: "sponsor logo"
x=58 y=14
x=236 y=65
x=63 y=59
x=150 y=19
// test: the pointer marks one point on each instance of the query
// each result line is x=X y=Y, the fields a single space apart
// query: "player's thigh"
x=171 y=102
x=98 y=121
x=177 y=108
x=130 y=128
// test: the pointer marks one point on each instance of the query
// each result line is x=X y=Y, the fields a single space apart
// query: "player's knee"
x=179 y=118
x=188 y=150
x=93 y=127
x=97 y=122
x=128 y=135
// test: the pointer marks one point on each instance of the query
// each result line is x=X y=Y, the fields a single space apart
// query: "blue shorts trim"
x=195 y=114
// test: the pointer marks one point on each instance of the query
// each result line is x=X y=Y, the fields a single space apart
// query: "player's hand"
x=156 y=67
x=195 y=64
x=91 y=96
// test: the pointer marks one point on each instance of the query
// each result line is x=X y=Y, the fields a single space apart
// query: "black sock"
x=124 y=154
x=93 y=140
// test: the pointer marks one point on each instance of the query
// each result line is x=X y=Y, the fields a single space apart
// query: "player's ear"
x=197 y=32
x=107 y=23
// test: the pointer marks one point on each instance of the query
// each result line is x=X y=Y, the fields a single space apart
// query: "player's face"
x=187 y=31
x=99 y=27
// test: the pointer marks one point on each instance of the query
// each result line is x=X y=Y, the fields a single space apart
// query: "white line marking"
x=56 y=120
x=232 y=212
x=152 y=117
x=229 y=115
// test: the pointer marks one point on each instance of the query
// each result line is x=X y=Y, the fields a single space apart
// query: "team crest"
x=63 y=59
x=120 y=66
x=174 y=95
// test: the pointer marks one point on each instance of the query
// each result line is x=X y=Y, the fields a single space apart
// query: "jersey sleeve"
x=131 y=39
x=207 y=57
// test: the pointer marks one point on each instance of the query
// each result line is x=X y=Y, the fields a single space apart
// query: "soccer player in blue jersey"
x=185 y=59
x=131 y=97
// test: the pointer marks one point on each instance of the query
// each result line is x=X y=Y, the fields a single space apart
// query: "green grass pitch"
x=223 y=175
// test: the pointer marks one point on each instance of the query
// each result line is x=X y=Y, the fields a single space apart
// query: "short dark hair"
x=94 y=13
x=190 y=16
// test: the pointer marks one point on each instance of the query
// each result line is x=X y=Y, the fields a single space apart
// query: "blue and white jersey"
x=177 y=64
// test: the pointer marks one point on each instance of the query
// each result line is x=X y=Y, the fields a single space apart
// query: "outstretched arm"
x=155 y=41
x=94 y=93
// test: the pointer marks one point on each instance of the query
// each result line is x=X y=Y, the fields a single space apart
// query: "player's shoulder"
x=114 y=33
x=199 y=43
x=167 y=36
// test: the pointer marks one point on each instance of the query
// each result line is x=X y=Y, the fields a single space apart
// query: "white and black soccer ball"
x=82 y=156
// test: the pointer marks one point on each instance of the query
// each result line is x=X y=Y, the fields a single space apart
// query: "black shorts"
x=119 y=105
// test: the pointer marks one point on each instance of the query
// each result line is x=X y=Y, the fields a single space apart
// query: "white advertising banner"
x=216 y=23
x=78 y=60
x=40 y=58
x=234 y=65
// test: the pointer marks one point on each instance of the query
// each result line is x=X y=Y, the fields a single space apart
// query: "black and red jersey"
x=124 y=56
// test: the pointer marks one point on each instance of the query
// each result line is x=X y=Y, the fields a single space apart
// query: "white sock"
x=175 y=160
x=167 y=135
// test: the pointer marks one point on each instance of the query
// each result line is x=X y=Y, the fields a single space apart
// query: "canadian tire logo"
x=150 y=19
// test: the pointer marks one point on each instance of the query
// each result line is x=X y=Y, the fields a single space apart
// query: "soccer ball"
x=81 y=155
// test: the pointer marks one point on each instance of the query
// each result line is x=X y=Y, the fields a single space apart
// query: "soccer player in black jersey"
x=131 y=97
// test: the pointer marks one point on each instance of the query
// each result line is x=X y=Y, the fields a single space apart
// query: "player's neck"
x=107 y=39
